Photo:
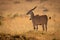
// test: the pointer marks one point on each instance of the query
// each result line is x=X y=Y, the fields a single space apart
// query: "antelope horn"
x=33 y=8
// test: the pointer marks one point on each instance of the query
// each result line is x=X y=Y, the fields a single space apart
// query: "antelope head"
x=31 y=11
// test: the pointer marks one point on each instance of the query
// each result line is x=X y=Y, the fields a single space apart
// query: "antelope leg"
x=36 y=27
x=43 y=27
x=46 y=26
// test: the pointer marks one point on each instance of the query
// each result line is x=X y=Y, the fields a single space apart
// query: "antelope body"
x=38 y=20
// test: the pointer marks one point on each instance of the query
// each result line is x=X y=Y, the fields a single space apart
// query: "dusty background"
x=15 y=20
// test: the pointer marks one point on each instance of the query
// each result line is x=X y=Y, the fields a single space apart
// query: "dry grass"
x=22 y=24
x=31 y=35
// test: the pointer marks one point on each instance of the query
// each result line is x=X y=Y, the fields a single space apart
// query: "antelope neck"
x=32 y=15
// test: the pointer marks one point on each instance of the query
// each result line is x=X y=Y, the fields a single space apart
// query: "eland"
x=38 y=20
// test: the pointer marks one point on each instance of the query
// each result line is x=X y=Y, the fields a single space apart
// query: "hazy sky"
x=17 y=5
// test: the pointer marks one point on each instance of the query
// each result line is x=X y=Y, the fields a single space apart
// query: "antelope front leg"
x=34 y=26
x=43 y=27
x=46 y=26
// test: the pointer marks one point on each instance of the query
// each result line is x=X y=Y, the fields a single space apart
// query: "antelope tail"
x=49 y=17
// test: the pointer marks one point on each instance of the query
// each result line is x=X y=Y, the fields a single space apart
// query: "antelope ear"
x=30 y=19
